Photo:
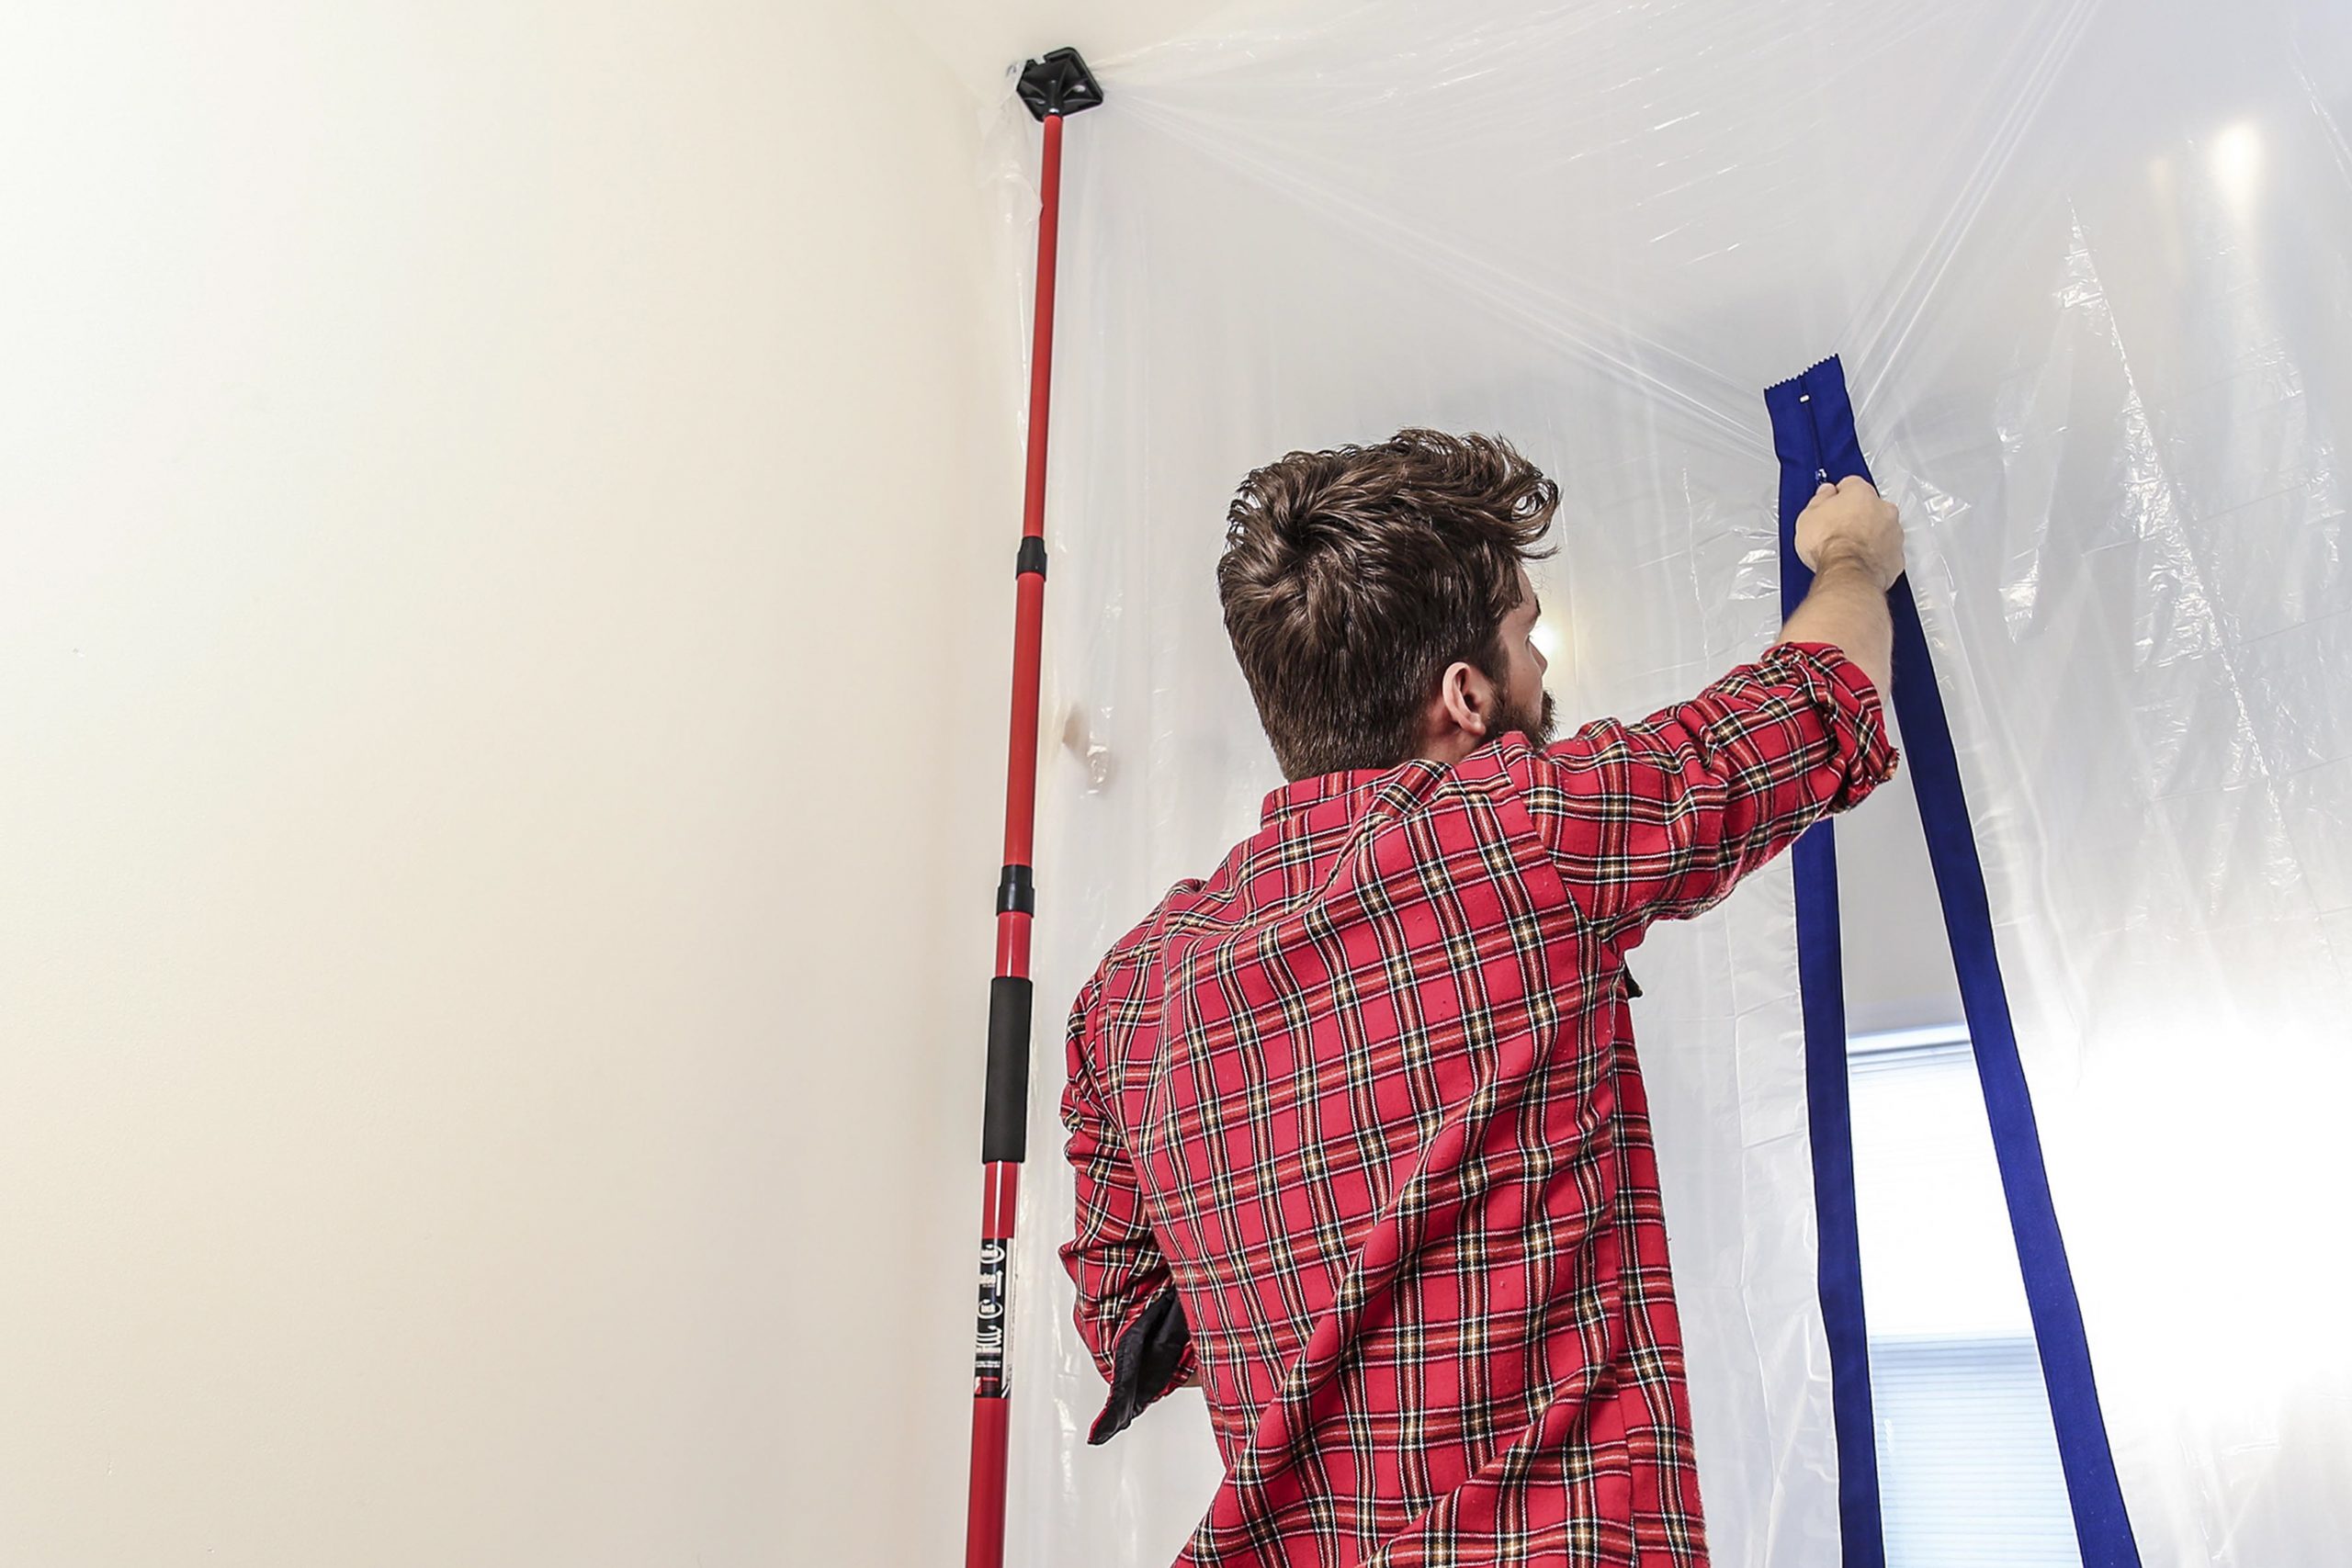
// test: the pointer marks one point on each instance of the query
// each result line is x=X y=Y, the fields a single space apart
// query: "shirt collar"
x=1293 y=798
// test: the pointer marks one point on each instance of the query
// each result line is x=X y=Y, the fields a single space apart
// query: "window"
x=1968 y=1461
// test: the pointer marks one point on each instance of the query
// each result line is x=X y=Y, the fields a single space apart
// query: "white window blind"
x=1968 y=1459
x=1968 y=1467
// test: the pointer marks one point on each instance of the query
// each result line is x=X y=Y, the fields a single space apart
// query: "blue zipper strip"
x=1813 y=431
x=1821 y=986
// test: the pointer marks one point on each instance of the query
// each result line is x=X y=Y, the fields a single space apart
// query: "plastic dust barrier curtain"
x=2090 y=269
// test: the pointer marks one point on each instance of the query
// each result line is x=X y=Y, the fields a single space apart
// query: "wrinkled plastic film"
x=2087 y=269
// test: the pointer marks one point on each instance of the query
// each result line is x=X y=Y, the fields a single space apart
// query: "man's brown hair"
x=1353 y=578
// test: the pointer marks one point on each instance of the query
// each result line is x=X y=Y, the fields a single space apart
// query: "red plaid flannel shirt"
x=1361 y=1140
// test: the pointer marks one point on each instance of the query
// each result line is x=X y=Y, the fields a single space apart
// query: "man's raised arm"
x=1658 y=821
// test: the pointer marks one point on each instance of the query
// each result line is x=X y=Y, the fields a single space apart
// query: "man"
x=1359 y=1138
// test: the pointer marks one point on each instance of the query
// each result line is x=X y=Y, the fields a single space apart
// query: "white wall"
x=507 y=514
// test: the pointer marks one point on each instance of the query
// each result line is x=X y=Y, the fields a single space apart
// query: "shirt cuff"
x=1151 y=1360
x=1846 y=697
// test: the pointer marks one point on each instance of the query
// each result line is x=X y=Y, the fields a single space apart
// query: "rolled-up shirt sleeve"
x=1658 y=820
x=1128 y=1314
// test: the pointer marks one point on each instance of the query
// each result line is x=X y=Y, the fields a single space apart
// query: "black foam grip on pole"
x=1004 y=1123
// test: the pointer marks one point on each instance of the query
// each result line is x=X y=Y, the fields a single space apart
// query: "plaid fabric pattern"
x=1365 y=1102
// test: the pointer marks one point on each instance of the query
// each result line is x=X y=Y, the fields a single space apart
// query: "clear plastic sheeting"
x=2090 y=270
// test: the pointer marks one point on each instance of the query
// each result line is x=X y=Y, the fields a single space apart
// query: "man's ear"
x=1468 y=698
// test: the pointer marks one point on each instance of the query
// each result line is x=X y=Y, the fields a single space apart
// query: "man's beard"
x=1536 y=727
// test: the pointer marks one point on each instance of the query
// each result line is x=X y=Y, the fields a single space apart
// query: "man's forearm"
x=1847 y=609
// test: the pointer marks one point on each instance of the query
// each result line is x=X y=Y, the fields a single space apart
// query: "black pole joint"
x=1058 y=83
x=1032 y=557
x=1016 y=892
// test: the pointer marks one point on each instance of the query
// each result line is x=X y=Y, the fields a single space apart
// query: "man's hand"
x=1853 y=541
x=1847 y=523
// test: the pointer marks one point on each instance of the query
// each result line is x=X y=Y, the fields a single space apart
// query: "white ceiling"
x=976 y=39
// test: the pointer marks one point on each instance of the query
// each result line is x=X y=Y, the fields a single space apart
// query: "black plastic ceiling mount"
x=1059 y=84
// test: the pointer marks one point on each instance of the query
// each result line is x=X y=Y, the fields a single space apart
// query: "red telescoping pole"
x=1054 y=86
